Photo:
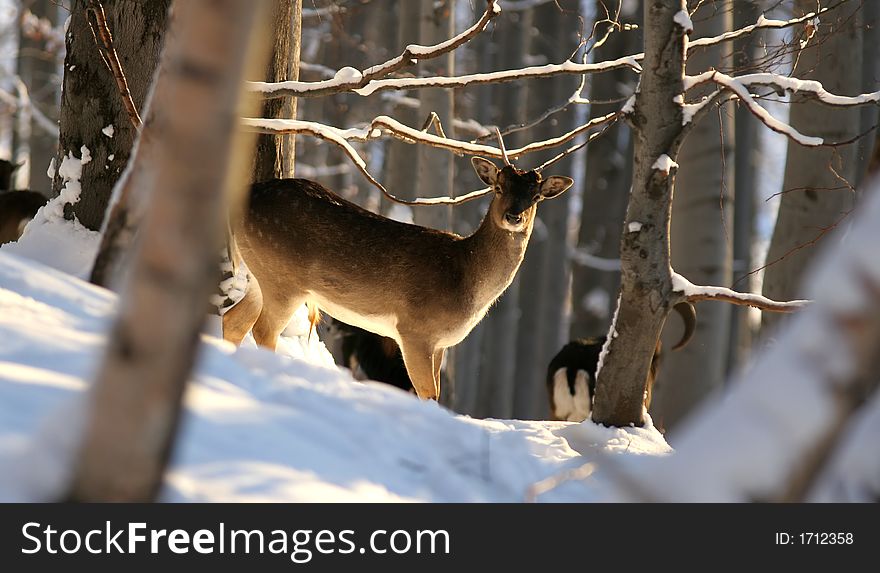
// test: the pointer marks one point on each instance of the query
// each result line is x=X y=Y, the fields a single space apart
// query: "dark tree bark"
x=498 y=363
x=90 y=100
x=274 y=154
x=702 y=227
x=198 y=159
x=646 y=295
x=545 y=276
x=606 y=184
x=436 y=24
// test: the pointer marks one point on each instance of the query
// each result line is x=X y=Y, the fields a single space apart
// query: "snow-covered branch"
x=390 y=126
x=547 y=70
x=341 y=138
x=746 y=98
x=350 y=79
x=811 y=88
x=693 y=293
x=762 y=23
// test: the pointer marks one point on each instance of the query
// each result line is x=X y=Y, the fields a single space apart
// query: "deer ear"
x=485 y=169
x=554 y=186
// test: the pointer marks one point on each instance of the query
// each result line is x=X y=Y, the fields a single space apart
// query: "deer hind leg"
x=419 y=361
x=438 y=361
x=238 y=320
x=277 y=311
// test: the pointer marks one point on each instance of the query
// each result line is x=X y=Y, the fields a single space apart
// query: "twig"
x=104 y=41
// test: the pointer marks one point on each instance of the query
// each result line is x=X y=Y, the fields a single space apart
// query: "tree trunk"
x=646 y=282
x=274 y=154
x=746 y=180
x=37 y=69
x=755 y=445
x=870 y=14
x=198 y=160
x=545 y=275
x=498 y=360
x=436 y=24
x=90 y=100
x=702 y=231
x=606 y=183
x=402 y=159
x=817 y=184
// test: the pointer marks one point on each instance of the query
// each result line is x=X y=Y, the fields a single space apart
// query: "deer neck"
x=497 y=253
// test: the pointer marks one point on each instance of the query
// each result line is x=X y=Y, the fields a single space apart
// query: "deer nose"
x=513 y=219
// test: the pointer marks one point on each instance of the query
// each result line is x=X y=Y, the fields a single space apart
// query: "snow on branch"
x=693 y=293
x=762 y=23
x=386 y=125
x=383 y=124
x=811 y=88
x=341 y=138
x=743 y=94
x=350 y=79
x=547 y=70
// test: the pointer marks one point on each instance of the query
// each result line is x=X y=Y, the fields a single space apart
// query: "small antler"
x=501 y=145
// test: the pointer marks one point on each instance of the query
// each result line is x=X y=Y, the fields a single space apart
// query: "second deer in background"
x=571 y=375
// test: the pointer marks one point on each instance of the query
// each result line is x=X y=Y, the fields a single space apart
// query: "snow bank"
x=259 y=426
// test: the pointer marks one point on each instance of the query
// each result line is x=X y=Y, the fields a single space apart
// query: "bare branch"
x=350 y=79
x=104 y=41
x=692 y=293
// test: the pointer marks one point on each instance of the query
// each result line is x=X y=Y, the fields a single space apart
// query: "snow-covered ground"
x=260 y=426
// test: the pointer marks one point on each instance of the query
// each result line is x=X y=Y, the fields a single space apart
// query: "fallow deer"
x=424 y=288
x=571 y=375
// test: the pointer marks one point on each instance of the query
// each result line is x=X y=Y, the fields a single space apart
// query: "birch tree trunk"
x=818 y=185
x=702 y=237
x=646 y=281
x=90 y=100
x=198 y=162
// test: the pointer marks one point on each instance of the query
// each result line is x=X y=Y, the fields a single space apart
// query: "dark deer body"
x=16 y=207
x=425 y=289
x=571 y=374
x=372 y=357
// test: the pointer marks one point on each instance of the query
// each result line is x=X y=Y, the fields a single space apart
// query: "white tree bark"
x=196 y=163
